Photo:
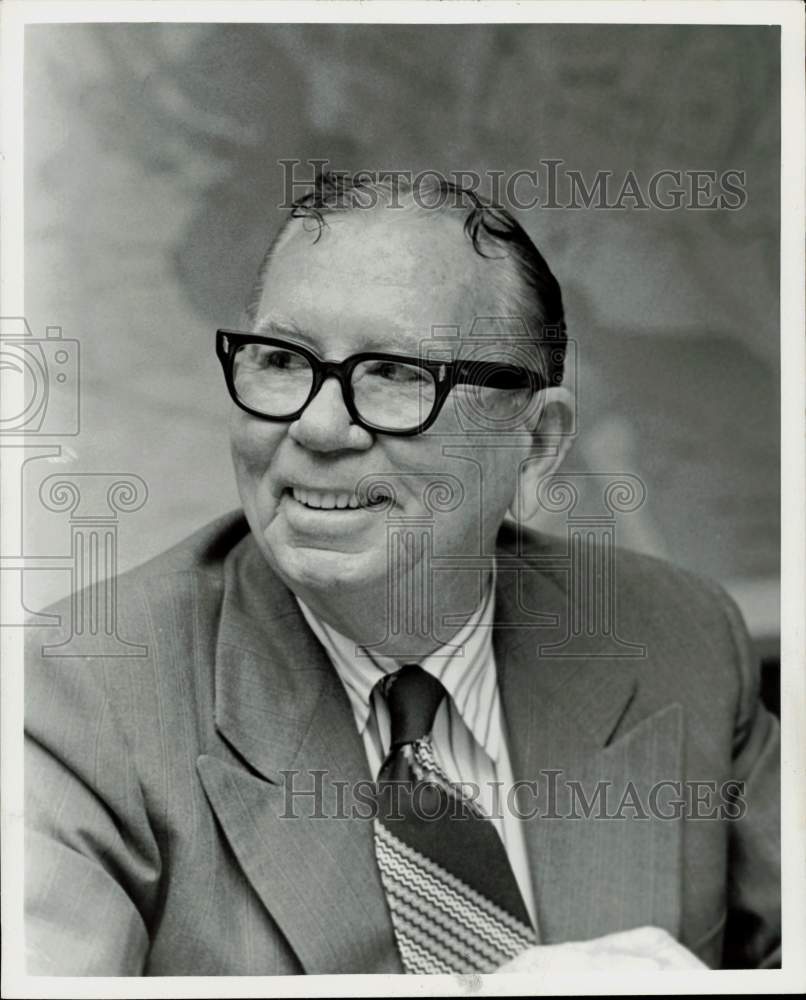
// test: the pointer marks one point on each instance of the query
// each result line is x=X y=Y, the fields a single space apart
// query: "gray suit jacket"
x=159 y=837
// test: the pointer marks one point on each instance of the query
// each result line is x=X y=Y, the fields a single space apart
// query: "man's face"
x=371 y=284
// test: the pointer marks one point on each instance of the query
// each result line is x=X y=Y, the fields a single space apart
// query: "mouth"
x=335 y=501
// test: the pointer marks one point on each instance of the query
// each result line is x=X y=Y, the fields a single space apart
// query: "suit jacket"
x=160 y=831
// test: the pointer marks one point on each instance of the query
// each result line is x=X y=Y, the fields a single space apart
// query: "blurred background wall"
x=152 y=185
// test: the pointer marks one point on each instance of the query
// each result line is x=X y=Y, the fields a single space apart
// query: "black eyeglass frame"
x=446 y=375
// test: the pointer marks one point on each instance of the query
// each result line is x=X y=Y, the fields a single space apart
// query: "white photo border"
x=789 y=14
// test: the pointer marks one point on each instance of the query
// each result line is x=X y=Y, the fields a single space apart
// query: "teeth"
x=325 y=501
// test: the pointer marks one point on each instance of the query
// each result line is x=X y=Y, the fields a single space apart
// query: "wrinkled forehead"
x=379 y=274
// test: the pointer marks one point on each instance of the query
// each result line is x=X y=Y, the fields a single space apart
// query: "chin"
x=325 y=570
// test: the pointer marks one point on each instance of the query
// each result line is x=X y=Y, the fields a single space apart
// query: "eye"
x=280 y=359
x=396 y=372
x=261 y=357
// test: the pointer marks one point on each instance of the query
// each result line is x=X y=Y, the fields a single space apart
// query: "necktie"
x=452 y=895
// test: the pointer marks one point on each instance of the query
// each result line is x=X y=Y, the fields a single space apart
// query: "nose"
x=325 y=425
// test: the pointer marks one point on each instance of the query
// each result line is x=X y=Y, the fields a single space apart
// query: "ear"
x=551 y=426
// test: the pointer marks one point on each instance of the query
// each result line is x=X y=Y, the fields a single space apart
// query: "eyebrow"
x=267 y=326
x=394 y=340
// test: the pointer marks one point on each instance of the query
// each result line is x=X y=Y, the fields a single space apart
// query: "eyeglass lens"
x=277 y=381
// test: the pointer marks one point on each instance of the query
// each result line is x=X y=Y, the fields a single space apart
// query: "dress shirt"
x=468 y=735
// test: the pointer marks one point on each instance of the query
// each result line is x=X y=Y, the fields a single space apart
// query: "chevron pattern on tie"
x=453 y=898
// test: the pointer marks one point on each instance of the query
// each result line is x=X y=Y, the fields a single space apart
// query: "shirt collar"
x=465 y=666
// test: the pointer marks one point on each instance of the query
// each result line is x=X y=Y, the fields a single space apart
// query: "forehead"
x=375 y=280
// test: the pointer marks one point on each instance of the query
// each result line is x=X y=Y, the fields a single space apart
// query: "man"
x=353 y=745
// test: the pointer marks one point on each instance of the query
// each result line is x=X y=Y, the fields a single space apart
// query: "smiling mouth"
x=323 y=500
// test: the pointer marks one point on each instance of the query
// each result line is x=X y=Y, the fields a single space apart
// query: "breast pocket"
x=620 y=866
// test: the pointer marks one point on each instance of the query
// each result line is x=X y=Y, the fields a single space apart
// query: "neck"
x=406 y=618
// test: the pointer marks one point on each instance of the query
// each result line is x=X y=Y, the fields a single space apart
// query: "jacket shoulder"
x=205 y=550
x=106 y=689
x=682 y=618
x=647 y=580
x=201 y=554
x=164 y=611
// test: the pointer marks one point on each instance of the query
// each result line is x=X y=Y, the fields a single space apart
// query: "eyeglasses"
x=387 y=393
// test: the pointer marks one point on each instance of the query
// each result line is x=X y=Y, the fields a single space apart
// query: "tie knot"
x=413 y=697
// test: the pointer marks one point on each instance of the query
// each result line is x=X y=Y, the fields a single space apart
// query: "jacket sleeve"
x=92 y=865
x=753 y=927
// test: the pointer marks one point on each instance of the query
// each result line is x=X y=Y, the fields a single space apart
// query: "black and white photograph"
x=402 y=452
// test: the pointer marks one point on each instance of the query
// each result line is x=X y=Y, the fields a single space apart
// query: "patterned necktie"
x=454 y=901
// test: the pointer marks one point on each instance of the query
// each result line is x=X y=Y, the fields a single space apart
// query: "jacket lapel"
x=593 y=874
x=287 y=729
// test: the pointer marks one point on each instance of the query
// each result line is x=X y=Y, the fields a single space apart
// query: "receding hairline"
x=409 y=215
x=507 y=285
x=523 y=282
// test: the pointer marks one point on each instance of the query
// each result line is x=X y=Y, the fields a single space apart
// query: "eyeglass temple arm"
x=496 y=375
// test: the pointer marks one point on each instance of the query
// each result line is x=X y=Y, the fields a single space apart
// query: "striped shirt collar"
x=465 y=667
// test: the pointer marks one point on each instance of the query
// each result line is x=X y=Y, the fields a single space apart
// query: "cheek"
x=502 y=414
x=491 y=486
x=253 y=444
x=484 y=476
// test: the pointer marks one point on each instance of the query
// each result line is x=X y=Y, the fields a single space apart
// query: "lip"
x=324 y=522
x=327 y=499
x=326 y=488
x=340 y=500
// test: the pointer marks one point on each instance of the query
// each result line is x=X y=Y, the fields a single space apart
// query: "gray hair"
x=486 y=225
